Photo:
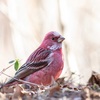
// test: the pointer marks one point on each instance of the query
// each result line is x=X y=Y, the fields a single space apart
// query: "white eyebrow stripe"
x=56 y=33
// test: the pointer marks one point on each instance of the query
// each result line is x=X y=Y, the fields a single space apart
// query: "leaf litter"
x=59 y=90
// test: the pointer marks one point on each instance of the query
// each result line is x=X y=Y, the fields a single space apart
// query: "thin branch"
x=5 y=69
x=21 y=80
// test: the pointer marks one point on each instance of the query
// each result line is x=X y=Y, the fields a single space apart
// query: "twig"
x=70 y=77
x=21 y=80
x=5 y=69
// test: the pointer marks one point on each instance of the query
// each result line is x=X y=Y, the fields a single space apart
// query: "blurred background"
x=23 y=24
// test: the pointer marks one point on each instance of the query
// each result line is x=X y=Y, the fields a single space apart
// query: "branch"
x=21 y=80
x=5 y=69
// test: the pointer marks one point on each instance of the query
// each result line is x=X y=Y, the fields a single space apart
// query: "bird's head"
x=53 y=40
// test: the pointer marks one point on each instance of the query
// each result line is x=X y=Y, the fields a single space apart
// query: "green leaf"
x=16 y=64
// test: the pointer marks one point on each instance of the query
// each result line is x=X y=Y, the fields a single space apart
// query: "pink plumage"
x=44 y=63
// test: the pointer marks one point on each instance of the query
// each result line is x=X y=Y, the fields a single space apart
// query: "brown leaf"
x=95 y=79
x=17 y=92
x=54 y=89
x=91 y=94
x=7 y=90
x=60 y=80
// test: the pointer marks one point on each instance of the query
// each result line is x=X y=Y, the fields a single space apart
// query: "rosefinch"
x=44 y=63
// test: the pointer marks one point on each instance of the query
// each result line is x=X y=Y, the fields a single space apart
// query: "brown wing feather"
x=35 y=62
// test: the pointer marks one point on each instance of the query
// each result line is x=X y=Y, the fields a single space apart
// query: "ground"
x=59 y=90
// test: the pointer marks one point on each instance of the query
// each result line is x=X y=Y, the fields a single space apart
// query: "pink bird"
x=44 y=63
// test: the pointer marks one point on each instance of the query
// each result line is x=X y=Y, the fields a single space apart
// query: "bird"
x=44 y=63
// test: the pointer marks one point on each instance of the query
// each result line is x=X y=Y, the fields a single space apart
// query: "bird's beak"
x=60 y=39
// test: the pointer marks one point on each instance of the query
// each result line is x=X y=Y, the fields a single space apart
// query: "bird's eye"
x=53 y=38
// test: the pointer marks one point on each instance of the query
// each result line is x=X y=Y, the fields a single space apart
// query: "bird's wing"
x=37 y=60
